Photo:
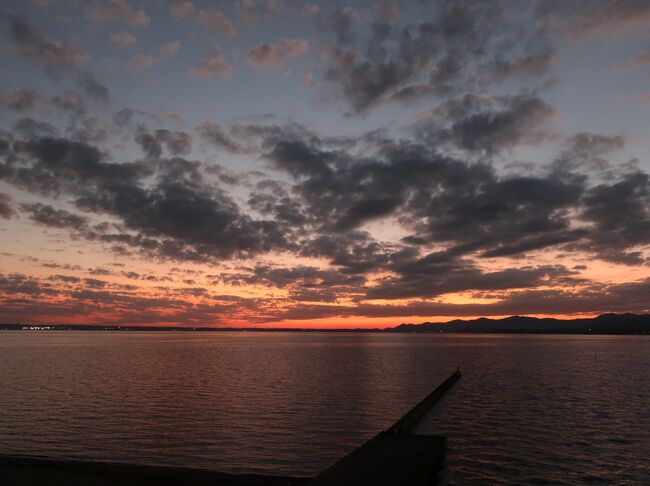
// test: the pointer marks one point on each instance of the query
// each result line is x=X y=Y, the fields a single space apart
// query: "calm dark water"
x=529 y=409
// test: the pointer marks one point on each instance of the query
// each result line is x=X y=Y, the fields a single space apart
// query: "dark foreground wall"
x=27 y=471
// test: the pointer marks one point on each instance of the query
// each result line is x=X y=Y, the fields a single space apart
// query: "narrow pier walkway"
x=396 y=456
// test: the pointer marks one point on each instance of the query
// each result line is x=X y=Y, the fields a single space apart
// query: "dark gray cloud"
x=150 y=145
x=487 y=124
x=58 y=218
x=210 y=223
x=177 y=217
x=58 y=56
x=34 y=43
x=453 y=51
x=17 y=283
x=304 y=283
x=30 y=127
x=442 y=200
x=442 y=81
x=334 y=191
x=212 y=133
x=176 y=143
x=588 y=152
x=340 y=21
x=124 y=117
x=619 y=213
x=92 y=87
x=70 y=102
x=50 y=166
x=64 y=278
x=439 y=273
x=300 y=158
x=95 y=283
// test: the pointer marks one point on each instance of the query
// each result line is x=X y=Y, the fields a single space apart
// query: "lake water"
x=529 y=409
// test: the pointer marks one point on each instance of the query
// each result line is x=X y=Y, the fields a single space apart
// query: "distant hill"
x=603 y=324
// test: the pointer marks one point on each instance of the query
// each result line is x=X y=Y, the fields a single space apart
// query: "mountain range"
x=603 y=324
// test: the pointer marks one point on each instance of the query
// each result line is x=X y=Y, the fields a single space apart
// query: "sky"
x=322 y=164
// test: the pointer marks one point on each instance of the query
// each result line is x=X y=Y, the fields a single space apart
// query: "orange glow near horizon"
x=197 y=295
x=196 y=302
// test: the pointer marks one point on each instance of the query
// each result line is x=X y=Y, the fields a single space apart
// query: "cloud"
x=194 y=223
x=20 y=99
x=57 y=218
x=181 y=9
x=149 y=144
x=427 y=278
x=43 y=4
x=123 y=39
x=300 y=158
x=170 y=48
x=16 y=283
x=167 y=117
x=177 y=143
x=102 y=302
x=620 y=215
x=340 y=21
x=494 y=130
x=50 y=165
x=214 y=64
x=71 y=102
x=7 y=209
x=64 y=278
x=30 y=127
x=33 y=43
x=28 y=99
x=143 y=62
x=528 y=66
x=274 y=55
x=592 y=299
x=58 y=56
x=588 y=151
x=441 y=200
x=211 y=132
x=307 y=80
x=92 y=87
x=114 y=10
x=487 y=124
x=177 y=215
x=304 y=283
x=454 y=49
x=386 y=12
x=581 y=19
x=212 y=19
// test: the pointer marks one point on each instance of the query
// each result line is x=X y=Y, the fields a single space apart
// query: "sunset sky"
x=319 y=164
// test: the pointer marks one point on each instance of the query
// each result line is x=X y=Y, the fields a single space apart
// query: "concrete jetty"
x=396 y=456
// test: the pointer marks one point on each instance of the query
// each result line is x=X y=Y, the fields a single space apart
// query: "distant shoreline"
x=606 y=324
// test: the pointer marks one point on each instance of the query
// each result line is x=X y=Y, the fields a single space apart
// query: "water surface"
x=529 y=409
